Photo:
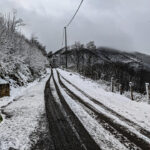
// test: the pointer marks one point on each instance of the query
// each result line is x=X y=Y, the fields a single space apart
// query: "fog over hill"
x=104 y=63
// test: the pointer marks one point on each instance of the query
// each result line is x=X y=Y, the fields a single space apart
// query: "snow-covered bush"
x=21 y=59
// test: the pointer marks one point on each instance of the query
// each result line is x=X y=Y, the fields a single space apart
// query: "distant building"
x=4 y=88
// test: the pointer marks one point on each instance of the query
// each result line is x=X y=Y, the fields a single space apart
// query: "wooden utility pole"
x=66 y=45
x=147 y=92
x=120 y=89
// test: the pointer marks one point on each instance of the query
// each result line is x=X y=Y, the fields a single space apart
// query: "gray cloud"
x=124 y=25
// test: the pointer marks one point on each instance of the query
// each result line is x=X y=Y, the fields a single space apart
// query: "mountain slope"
x=105 y=63
x=21 y=60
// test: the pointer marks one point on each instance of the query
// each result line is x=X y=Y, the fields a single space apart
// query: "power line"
x=75 y=13
x=71 y=21
x=65 y=30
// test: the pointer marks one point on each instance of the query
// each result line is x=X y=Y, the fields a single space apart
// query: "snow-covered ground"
x=21 y=117
x=102 y=137
x=137 y=112
x=15 y=93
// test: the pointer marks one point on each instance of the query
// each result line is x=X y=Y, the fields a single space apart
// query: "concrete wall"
x=4 y=90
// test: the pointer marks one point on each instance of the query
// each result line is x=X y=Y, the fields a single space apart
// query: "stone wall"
x=4 y=90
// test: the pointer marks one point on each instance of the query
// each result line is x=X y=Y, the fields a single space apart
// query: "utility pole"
x=65 y=28
x=66 y=45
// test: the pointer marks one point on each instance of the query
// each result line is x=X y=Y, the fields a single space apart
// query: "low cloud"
x=124 y=25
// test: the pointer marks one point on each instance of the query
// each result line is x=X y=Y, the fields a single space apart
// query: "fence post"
x=112 y=84
x=147 y=92
x=131 y=90
x=96 y=75
x=120 y=89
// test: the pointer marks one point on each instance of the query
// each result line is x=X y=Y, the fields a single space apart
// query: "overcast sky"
x=121 y=24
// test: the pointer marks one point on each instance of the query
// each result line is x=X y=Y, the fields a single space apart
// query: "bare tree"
x=77 y=47
x=2 y=26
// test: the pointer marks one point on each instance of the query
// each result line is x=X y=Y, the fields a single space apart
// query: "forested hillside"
x=21 y=59
x=104 y=63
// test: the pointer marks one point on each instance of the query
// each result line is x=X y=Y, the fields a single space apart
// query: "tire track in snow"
x=129 y=122
x=131 y=136
x=62 y=133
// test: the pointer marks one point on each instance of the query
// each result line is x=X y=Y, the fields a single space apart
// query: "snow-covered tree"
x=91 y=45
x=21 y=59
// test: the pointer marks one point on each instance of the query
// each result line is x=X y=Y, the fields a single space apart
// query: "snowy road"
x=67 y=132
x=82 y=112
x=76 y=118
